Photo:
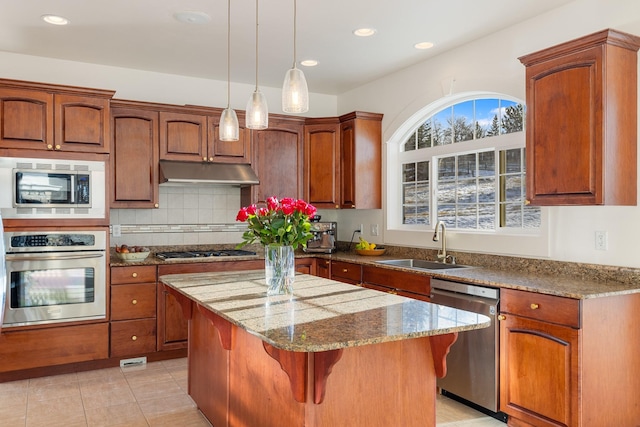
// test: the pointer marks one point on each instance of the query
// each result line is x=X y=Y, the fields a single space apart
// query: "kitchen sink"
x=420 y=264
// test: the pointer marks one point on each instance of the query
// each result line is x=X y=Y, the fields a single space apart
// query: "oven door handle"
x=58 y=257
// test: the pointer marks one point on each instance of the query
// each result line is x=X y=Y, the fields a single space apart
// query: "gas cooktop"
x=202 y=254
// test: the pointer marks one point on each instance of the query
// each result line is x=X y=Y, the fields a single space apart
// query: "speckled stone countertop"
x=322 y=314
x=565 y=279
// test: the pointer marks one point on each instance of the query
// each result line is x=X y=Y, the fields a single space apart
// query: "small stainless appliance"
x=324 y=239
x=55 y=276
x=3 y=274
x=50 y=188
x=188 y=255
x=473 y=362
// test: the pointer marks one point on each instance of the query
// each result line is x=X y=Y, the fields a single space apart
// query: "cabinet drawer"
x=135 y=301
x=133 y=337
x=415 y=283
x=133 y=274
x=346 y=270
x=547 y=308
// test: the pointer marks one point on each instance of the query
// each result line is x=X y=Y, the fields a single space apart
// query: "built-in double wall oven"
x=55 y=276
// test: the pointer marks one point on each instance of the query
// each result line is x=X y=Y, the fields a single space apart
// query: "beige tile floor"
x=153 y=395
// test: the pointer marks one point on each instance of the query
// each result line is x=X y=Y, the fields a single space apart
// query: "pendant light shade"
x=295 y=94
x=229 y=128
x=257 y=112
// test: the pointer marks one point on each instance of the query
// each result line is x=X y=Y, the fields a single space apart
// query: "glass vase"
x=279 y=269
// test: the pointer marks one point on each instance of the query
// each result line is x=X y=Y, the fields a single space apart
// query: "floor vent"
x=136 y=361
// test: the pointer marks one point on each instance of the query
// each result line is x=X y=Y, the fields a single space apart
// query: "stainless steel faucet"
x=442 y=253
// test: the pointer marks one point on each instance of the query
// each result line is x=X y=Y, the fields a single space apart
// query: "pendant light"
x=229 y=128
x=295 y=95
x=257 y=115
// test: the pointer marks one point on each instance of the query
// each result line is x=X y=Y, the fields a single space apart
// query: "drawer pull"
x=134 y=275
x=133 y=338
x=344 y=270
x=393 y=292
x=534 y=306
x=134 y=302
x=502 y=317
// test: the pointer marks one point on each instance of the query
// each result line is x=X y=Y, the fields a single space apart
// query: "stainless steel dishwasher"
x=472 y=363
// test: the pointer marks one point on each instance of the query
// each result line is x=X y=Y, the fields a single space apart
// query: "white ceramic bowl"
x=132 y=256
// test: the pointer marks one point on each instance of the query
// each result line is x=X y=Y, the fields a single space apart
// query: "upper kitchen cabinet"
x=134 y=152
x=361 y=161
x=193 y=137
x=277 y=160
x=50 y=117
x=322 y=162
x=582 y=121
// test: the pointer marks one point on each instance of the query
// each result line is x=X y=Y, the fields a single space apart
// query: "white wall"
x=491 y=64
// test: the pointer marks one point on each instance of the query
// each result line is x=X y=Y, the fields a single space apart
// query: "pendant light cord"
x=256 y=45
x=295 y=14
x=228 y=53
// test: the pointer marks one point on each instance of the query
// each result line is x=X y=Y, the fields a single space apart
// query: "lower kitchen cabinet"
x=567 y=362
x=133 y=310
x=409 y=285
x=323 y=268
x=305 y=265
x=172 y=326
x=346 y=272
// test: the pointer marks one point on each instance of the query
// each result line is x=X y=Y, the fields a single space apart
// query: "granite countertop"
x=570 y=280
x=322 y=314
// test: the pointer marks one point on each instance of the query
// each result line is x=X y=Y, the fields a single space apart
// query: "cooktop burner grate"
x=203 y=254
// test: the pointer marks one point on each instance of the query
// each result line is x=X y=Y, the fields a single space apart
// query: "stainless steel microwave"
x=49 y=188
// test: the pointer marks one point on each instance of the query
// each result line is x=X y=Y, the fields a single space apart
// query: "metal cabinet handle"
x=134 y=275
x=534 y=306
x=344 y=270
x=134 y=302
x=502 y=317
x=134 y=338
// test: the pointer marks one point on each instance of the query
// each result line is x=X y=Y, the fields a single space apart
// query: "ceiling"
x=143 y=34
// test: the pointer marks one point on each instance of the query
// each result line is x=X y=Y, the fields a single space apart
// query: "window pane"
x=513 y=188
x=424 y=135
x=513 y=161
x=486 y=216
x=513 y=213
x=487 y=118
x=422 y=171
x=512 y=116
x=409 y=194
x=409 y=215
x=447 y=169
x=532 y=217
x=422 y=194
x=410 y=143
x=487 y=190
x=467 y=216
x=467 y=166
x=446 y=192
x=422 y=215
x=487 y=163
x=409 y=172
x=447 y=214
x=463 y=121
x=467 y=191
x=442 y=127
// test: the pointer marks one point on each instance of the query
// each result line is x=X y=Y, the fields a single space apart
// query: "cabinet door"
x=277 y=160
x=538 y=371
x=82 y=124
x=322 y=165
x=361 y=165
x=172 y=326
x=134 y=152
x=228 y=151
x=183 y=137
x=581 y=122
x=323 y=268
x=26 y=119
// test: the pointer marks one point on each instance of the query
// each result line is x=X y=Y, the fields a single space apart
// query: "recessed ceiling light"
x=192 y=17
x=423 y=45
x=364 y=32
x=309 y=62
x=55 y=19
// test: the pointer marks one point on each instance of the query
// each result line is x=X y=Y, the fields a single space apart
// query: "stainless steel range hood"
x=186 y=173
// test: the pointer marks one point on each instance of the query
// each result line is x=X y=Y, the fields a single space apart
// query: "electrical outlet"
x=374 y=229
x=601 y=241
x=116 y=230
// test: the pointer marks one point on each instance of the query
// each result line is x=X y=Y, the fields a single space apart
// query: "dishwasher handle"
x=463 y=301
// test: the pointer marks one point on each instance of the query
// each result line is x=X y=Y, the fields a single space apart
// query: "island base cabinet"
x=246 y=386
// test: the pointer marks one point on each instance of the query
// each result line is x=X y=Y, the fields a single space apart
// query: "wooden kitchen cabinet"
x=347 y=272
x=134 y=152
x=322 y=162
x=305 y=265
x=51 y=117
x=133 y=310
x=403 y=283
x=228 y=151
x=582 y=121
x=361 y=161
x=563 y=361
x=277 y=158
x=323 y=268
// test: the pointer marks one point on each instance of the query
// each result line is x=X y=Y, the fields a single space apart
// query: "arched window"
x=461 y=160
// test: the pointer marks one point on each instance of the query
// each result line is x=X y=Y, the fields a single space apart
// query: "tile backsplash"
x=186 y=215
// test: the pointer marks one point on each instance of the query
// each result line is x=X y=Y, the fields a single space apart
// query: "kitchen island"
x=331 y=355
